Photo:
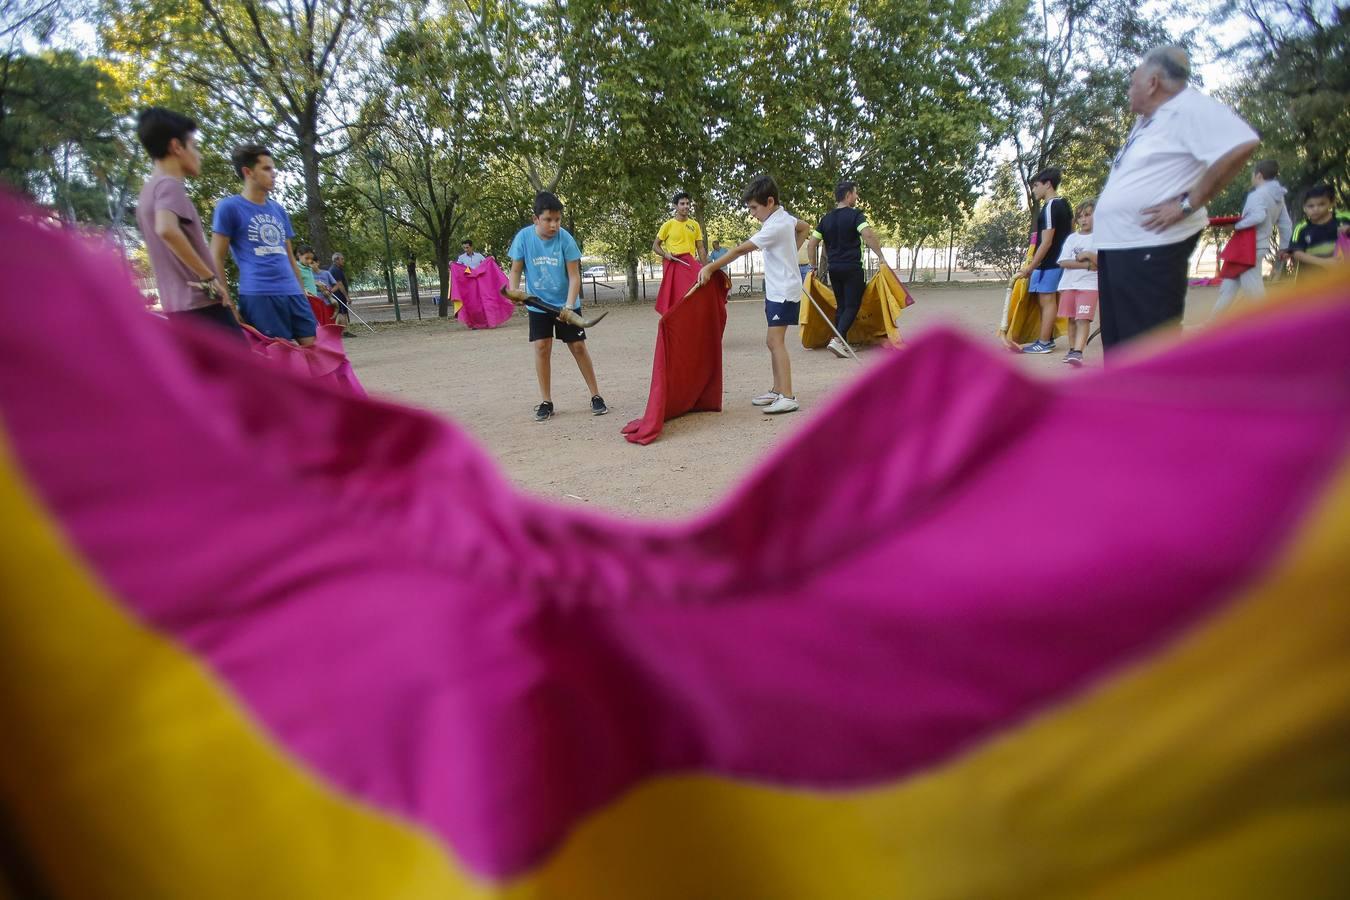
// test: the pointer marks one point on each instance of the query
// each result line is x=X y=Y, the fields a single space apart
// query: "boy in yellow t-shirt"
x=681 y=235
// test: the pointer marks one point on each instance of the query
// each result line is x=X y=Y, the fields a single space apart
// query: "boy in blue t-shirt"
x=258 y=233
x=550 y=259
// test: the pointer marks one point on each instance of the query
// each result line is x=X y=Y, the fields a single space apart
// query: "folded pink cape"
x=398 y=618
x=676 y=280
x=479 y=290
x=687 y=369
x=324 y=360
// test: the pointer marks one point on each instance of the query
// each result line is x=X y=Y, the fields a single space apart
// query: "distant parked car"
x=596 y=272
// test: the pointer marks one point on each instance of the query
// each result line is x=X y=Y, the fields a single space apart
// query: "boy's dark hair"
x=466 y=241
x=1320 y=190
x=246 y=156
x=1268 y=169
x=157 y=126
x=680 y=195
x=760 y=189
x=303 y=249
x=1051 y=175
x=843 y=189
x=546 y=201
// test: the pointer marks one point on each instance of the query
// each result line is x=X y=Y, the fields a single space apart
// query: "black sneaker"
x=598 y=407
x=544 y=411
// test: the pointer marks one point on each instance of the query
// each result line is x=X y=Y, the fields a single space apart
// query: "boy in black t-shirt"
x=844 y=229
x=1054 y=223
x=1314 y=241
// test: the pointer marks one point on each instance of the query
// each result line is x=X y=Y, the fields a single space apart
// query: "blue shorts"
x=785 y=313
x=1045 y=281
x=286 y=316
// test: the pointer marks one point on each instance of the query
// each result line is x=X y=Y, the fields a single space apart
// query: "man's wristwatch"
x=1185 y=202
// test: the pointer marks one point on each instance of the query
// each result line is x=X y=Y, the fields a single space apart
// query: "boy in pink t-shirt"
x=189 y=285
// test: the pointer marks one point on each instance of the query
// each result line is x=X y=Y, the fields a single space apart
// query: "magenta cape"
x=391 y=611
x=324 y=359
x=479 y=290
x=676 y=280
x=687 y=366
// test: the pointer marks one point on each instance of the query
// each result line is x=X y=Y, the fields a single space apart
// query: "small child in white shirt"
x=780 y=237
x=1078 y=287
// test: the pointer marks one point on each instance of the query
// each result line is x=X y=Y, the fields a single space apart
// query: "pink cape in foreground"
x=396 y=615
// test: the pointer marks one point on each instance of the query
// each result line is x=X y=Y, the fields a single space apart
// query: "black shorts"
x=544 y=326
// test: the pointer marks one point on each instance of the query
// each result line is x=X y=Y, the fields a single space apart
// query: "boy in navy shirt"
x=258 y=234
x=1054 y=223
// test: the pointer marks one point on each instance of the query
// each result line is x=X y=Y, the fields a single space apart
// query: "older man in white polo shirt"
x=1183 y=149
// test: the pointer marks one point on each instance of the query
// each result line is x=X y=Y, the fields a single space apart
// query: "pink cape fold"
x=401 y=620
x=676 y=280
x=687 y=363
x=479 y=290
x=324 y=359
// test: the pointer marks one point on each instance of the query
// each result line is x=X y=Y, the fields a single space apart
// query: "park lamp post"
x=377 y=164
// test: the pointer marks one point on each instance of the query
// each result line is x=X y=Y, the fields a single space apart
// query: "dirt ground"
x=484 y=380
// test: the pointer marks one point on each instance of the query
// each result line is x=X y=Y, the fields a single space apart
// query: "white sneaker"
x=782 y=405
x=837 y=348
x=766 y=398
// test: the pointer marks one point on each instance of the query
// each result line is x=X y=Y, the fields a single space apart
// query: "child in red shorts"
x=1078 y=287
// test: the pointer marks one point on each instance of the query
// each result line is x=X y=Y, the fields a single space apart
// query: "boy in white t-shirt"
x=1078 y=286
x=779 y=238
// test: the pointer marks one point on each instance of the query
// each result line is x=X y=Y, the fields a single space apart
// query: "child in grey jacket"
x=1263 y=210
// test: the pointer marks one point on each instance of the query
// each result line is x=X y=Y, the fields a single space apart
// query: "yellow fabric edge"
x=129 y=772
x=1219 y=762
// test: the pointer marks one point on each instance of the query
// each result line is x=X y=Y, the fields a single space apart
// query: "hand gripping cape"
x=478 y=293
x=884 y=298
x=687 y=364
x=676 y=280
x=259 y=638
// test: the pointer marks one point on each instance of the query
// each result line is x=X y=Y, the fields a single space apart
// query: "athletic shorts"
x=785 y=313
x=1045 y=281
x=545 y=325
x=1078 y=305
x=285 y=316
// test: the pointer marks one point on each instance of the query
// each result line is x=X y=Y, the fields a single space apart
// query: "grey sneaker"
x=782 y=405
x=836 y=347
x=544 y=411
x=765 y=398
x=598 y=407
x=1074 y=357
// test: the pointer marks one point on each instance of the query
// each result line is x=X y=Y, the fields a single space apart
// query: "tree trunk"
x=632 y=269
x=314 y=210
x=412 y=284
x=914 y=260
x=443 y=274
